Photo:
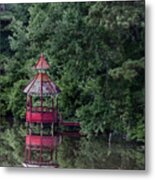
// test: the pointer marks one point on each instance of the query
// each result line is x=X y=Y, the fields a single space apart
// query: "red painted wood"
x=40 y=117
x=45 y=141
x=42 y=63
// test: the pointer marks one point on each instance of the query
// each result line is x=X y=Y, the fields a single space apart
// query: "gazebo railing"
x=39 y=109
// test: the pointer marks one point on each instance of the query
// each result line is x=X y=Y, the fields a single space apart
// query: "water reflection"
x=67 y=150
x=41 y=151
x=95 y=153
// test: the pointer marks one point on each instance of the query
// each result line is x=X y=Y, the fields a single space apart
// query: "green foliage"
x=96 y=53
x=17 y=100
x=12 y=146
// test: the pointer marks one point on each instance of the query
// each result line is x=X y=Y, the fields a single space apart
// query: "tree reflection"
x=95 y=153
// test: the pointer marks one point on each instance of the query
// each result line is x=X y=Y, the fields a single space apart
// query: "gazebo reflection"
x=41 y=151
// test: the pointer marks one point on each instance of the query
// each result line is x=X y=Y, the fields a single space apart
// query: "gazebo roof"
x=41 y=63
x=41 y=84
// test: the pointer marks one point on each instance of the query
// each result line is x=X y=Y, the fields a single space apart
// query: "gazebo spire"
x=41 y=63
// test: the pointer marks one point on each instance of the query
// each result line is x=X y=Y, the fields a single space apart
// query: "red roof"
x=42 y=63
x=42 y=81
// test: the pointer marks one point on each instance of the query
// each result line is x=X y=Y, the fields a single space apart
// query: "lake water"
x=67 y=150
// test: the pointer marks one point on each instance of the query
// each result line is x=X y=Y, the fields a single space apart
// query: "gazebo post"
x=41 y=100
x=53 y=104
x=27 y=109
x=41 y=145
x=57 y=109
x=30 y=103
x=30 y=107
x=29 y=153
x=52 y=129
x=53 y=111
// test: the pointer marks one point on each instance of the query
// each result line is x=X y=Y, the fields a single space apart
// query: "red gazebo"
x=42 y=99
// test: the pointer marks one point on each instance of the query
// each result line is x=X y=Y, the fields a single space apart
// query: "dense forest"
x=96 y=54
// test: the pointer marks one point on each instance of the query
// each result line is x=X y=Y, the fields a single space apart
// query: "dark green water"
x=73 y=151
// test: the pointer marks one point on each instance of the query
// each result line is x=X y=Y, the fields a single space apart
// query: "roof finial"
x=42 y=63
